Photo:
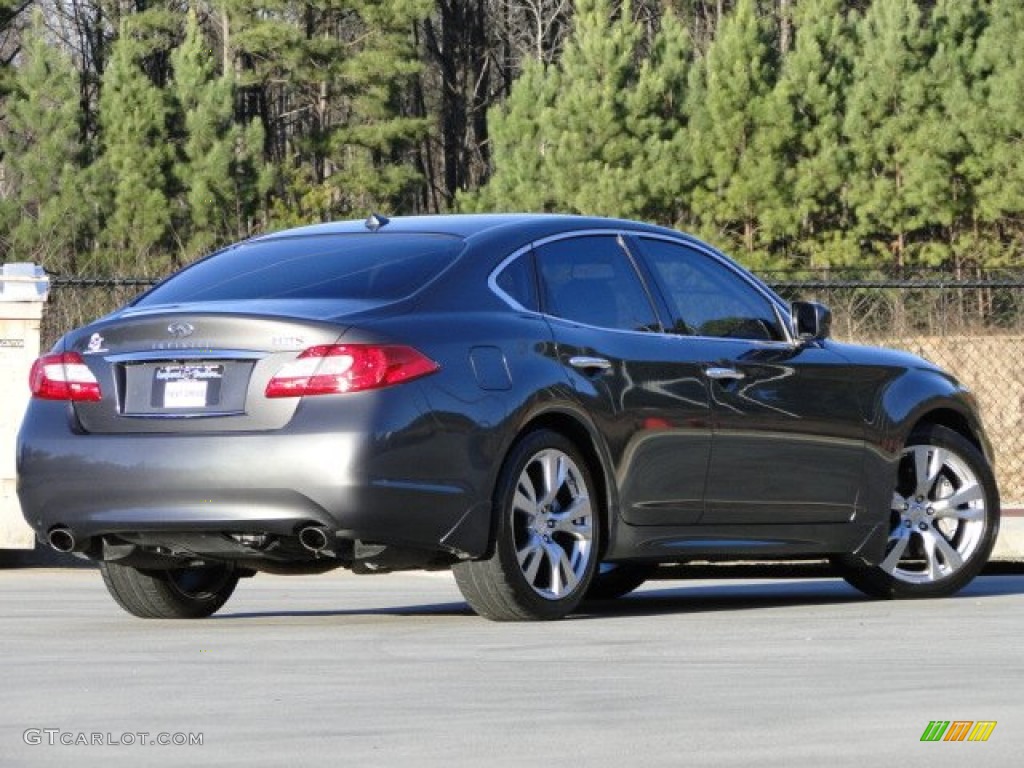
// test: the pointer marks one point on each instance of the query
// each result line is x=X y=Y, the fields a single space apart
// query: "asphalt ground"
x=395 y=671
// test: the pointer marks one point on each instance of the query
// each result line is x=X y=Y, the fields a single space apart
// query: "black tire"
x=177 y=593
x=615 y=580
x=535 y=526
x=944 y=521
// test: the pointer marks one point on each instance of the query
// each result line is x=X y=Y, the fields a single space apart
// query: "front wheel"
x=174 y=593
x=547 y=535
x=943 y=521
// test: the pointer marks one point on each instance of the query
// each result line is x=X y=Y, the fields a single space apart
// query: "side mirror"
x=811 y=321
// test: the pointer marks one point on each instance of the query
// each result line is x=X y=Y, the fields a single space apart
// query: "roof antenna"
x=376 y=221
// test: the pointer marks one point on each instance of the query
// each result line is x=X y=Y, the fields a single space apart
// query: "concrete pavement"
x=395 y=671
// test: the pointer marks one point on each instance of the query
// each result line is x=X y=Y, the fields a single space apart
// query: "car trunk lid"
x=174 y=370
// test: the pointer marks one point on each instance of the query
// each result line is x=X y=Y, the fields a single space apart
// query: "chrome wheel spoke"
x=936 y=545
x=553 y=466
x=525 y=499
x=530 y=558
x=928 y=462
x=563 y=577
x=968 y=494
x=896 y=553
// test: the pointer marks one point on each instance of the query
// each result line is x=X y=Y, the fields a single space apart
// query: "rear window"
x=371 y=266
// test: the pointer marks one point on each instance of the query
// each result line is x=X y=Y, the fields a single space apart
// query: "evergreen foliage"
x=42 y=216
x=600 y=131
x=132 y=175
x=811 y=219
x=796 y=134
x=735 y=134
x=219 y=173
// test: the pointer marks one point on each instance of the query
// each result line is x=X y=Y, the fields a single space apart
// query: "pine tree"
x=43 y=215
x=899 y=147
x=735 y=135
x=219 y=163
x=957 y=27
x=133 y=172
x=599 y=132
x=371 y=141
x=330 y=81
x=995 y=129
x=656 y=110
x=810 y=98
x=593 y=152
x=520 y=146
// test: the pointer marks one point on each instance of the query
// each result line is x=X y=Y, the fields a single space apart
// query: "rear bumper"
x=377 y=483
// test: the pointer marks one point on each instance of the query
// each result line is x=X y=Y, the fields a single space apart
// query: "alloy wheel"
x=552 y=524
x=938 y=514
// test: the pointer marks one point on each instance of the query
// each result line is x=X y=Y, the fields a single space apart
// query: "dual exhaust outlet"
x=313 y=537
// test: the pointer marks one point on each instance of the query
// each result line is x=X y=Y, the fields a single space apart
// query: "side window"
x=519 y=283
x=591 y=280
x=707 y=298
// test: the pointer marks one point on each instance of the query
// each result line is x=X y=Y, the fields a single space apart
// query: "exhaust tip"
x=314 y=538
x=62 y=540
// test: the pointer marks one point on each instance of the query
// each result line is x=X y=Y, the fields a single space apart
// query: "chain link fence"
x=970 y=324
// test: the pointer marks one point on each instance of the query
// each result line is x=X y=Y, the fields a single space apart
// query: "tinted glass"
x=707 y=298
x=519 y=282
x=591 y=280
x=371 y=266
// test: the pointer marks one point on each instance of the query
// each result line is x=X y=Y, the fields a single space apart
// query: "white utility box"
x=23 y=292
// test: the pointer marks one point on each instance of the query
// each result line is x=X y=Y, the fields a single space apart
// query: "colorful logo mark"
x=958 y=730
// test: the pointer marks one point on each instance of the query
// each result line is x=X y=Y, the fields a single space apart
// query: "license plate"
x=185 y=394
x=187 y=386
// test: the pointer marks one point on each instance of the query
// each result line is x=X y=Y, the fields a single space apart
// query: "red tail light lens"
x=63 y=376
x=338 y=368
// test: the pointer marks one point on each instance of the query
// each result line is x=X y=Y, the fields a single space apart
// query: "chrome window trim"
x=622 y=235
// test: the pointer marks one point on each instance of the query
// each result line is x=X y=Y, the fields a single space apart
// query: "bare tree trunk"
x=785 y=27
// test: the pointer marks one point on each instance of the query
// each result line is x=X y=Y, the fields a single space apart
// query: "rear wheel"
x=175 y=593
x=944 y=520
x=615 y=580
x=547 y=538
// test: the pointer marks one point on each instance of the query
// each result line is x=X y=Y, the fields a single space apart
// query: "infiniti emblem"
x=180 y=330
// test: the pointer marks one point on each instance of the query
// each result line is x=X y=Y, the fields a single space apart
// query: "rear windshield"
x=370 y=266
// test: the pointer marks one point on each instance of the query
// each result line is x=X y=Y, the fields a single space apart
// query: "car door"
x=646 y=393
x=788 y=441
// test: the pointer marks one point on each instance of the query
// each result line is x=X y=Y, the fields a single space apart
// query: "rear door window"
x=591 y=280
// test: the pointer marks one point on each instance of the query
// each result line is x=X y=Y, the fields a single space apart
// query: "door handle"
x=724 y=374
x=590 y=364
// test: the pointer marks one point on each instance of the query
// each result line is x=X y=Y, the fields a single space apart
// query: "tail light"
x=63 y=376
x=338 y=368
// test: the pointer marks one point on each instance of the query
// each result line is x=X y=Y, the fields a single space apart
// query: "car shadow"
x=657 y=598
x=426 y=610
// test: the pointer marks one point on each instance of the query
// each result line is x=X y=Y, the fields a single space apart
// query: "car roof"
x=471 y=226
